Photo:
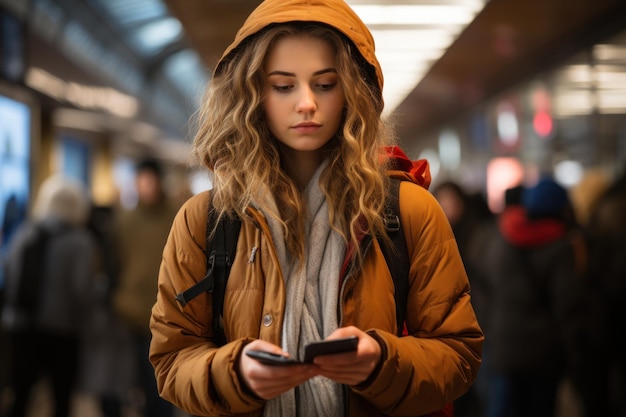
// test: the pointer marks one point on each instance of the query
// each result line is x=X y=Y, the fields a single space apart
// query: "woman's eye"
x=328 y=86
x=281 y=88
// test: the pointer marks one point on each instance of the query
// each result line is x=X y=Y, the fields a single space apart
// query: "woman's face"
x=304 y=99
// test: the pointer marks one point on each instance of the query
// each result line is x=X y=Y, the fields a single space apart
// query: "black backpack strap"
x=221 y=256
x=396 y=254
x=220 y=253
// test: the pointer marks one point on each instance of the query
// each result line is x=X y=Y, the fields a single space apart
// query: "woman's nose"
x=306 y=101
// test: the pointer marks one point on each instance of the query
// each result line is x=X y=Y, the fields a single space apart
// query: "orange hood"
x=334 y=13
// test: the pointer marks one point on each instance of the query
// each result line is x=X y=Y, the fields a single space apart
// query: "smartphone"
x=274 y=359
x=327 y=347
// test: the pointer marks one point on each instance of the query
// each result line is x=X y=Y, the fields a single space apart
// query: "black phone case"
x=326 y=347
x=273 y=359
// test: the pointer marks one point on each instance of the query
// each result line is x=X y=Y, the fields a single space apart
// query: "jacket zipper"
x=252 y=254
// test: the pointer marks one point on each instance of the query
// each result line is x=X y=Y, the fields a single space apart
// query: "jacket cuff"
x=244 y=387
x=231 y=385
x=376 y=371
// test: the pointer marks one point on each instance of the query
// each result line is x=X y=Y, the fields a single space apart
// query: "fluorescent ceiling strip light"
x=411 y=39
x=611 y=78
x=413 y=14
x=405 y=56
x=159 y=33
x=80 y=95
x=570 y=103
x=609 y=53
x=577 y=74
x=612 y=100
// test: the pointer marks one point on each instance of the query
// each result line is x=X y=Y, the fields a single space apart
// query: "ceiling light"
x=81 y=95
x=572 y=102
x=414 y=14
x=609 y=53
x=410 y=38
x=612 y=101
x=576 y=74
x=449 y=149
x=568 y=173
x=157 y=34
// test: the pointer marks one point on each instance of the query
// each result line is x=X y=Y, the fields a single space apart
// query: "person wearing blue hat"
x=547 y=199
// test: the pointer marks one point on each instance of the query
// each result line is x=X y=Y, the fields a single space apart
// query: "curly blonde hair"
x=234 y=141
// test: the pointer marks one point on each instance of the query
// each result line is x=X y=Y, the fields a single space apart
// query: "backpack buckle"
x=392 y=223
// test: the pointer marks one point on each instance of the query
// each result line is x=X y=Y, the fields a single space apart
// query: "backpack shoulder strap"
x=396 y=255
x=219 y=252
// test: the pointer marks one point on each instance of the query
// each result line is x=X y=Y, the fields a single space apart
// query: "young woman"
x=292 y=131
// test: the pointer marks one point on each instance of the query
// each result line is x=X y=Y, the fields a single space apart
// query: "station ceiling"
x=164 y=50
x=507 y=42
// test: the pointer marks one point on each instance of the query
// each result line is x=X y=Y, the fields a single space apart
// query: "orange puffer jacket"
x=420 y=373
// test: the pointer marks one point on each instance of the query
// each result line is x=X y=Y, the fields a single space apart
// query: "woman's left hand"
x=354 y=367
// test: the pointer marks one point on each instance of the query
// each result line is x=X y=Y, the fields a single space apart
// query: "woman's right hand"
x=270 y=381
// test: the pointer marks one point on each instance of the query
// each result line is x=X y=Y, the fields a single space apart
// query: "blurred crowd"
x=79 y=284
x=548 y=274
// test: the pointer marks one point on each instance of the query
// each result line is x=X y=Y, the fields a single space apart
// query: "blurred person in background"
x=536 y=295
x=591 y=374
x=14 y=215
x=603 y=380
x=468 y=213
x=587 y=192
x=478 y=255
x=465 y=211
x=107 y=371
x=140 y=237
x=47 y=294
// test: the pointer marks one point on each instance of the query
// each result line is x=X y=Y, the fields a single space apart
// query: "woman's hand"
x=269 y=381
x=350 y=368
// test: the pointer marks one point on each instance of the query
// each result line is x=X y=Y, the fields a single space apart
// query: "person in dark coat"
x=536 y=293
x=469 y=214
x=140 y=235
x=108 y=363
x=602 y=377
x=45 y=333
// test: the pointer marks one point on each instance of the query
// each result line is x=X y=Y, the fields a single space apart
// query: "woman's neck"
x=301 y=166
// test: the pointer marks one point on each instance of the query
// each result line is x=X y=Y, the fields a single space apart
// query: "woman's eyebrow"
x=291 y=74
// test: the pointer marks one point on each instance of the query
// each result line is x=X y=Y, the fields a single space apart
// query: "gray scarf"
x=311 y=305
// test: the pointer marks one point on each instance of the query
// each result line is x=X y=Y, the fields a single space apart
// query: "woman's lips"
x=306 y=127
